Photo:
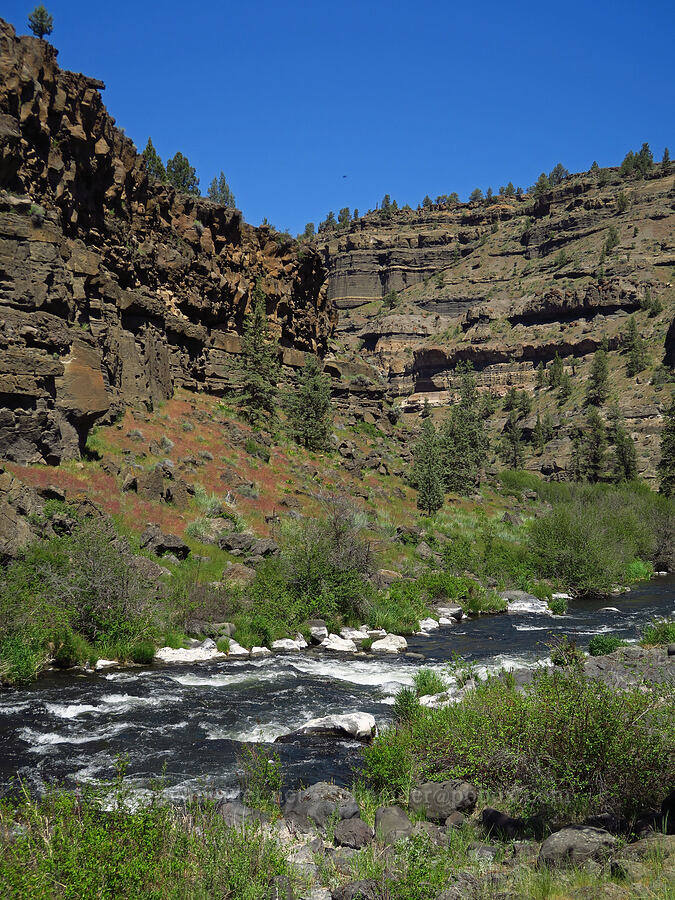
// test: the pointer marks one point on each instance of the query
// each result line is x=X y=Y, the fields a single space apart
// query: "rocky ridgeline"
x=507 y=285
x=114 y=289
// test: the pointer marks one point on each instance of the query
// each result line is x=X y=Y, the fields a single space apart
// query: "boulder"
x=236 y=651
x=191 y=655
x=392 y=824
x=235 y=540
x=236 y=815
x=335 y=642
x=576 y=845
x=392 y=643
x=258 y=652
x=287 y=644
x=451 y=611
x=353 y=833
x=520 y=602
x=320 y=803
x=317 y=630
x=501 y=824
x=439 y=799
x=365 y=889
x=351 y=634
x=424 y=551
x=159 y=543
x=429 y=624
x=359 y=725
x=264 y=547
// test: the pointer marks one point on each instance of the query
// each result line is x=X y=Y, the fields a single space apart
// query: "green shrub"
x=602 y=644
x=637 y=570
x=566 y=746
x=143 y=652
x=223 y=645
x=72 y=650
x=174 y=639
x=659 y=633
x=257 y=450
x=72 y=849
x=260 y=778
x=428 y=682
x=22 y=657
x=558 y=606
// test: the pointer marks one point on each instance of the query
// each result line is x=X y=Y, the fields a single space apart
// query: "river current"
x=188 y=723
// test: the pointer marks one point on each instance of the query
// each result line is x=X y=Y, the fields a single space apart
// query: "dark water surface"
x=190 y=721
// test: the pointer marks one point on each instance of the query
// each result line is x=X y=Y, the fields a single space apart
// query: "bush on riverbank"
x=74 y=597
x=68 y=847
x=659 y=633
x=565 y=747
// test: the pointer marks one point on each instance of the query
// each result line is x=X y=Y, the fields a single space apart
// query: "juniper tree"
x=594 y=446
x=665 y=162
x=564 y=388
x=463 y=438
x=539 y=435
x=541 y=380
x=308 y=407
x=637 y=349
x=511 y=446
x=40 y=22
x=258 y=366
x=542 y=186
x=181 y=175
x=556 y=372
x=153 y=162
x=219 y=191
x=597 y=389
x=666 y=465
x=624 y=455
x=344 y=217
x=476 y=194
x=427 y=474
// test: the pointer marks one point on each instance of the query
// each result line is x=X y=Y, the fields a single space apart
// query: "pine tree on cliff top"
x=40 y=22
x=258 y=365
x=219 y=191
x=153 y=162
x=666 y=465
x=427 y=470
x=181 y=175
x=308 y=407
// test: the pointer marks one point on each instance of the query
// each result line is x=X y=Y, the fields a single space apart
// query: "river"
x=188 y=723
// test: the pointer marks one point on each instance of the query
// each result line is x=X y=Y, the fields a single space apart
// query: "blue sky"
x=405 y=98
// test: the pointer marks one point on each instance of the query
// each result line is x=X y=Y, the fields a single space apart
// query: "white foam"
x=42 y=742
x=13 y=708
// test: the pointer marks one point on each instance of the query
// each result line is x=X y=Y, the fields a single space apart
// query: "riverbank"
x=591 y=820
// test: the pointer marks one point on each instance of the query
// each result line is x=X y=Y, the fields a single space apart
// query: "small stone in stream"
x=438 y=799
x=358 y=725
x=411 y=655
x=392 y=824
x=353 y=833
x=575 y=845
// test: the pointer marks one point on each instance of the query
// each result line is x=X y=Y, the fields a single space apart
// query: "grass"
x=659 y=633
x=69 y=847
x=565 y=747
x=602 y=644
x=428 y=682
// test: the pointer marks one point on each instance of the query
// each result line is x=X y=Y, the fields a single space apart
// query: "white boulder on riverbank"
x=520 y=602
x=392 y=643
x=427 y=625
x=357 y=725
x=205 y=651
x=289 y=645
x=352 y=634
x=257 y=652
x=339 y=644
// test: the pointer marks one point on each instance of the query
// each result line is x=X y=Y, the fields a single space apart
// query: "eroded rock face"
x=115 y=289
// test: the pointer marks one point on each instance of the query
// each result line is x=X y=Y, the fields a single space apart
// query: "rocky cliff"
x=506 y=285
x=114 y=288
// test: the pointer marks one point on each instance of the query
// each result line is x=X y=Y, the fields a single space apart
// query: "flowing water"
x=188 y=723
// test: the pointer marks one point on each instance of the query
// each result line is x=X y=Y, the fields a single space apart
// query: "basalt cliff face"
x=506 y=285
x=114 y=288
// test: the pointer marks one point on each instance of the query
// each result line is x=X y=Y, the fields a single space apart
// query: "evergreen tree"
x=637 y=349
x=489 y=195
x=344 y=217
x=309 y=232
x=541 y=381
x=564 y=388
x=510 y=399
x=549 y=427
x=594 y=446
x=595 y=167
x=40 y=22
x=666 y=465
x=624 y=455
x=328 y=223
x=355 y=217
x=153 y=162
x=426 y=409
x=665 y=162
x=258 y=365
x=597 y=390
x=463 y=438
x=542 y=186
x=509 y=190
x=308 y=407
x=556 y=372
x=644 y=160
x=427 y=470
x=426 y=203
x=476 y=194
x=524 y=404
x=511 y=447
x=181 y=175
x=558 y=174
x=219 y=191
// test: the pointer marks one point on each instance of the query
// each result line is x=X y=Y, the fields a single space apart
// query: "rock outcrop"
x=114 y=288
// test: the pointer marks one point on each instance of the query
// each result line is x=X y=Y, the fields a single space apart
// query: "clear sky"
x=405 y=98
